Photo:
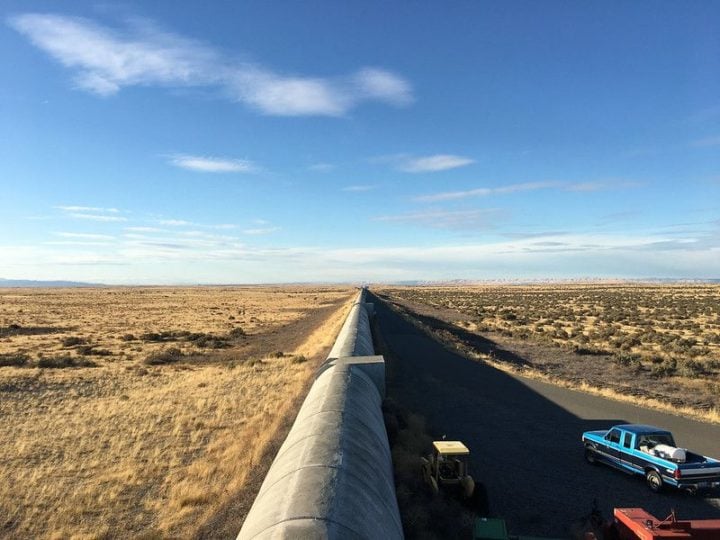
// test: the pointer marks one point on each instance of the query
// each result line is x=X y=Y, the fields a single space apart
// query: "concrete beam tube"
x=333 y=477
x=355 y=338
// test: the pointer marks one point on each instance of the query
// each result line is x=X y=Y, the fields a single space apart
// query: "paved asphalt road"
x=524 y=435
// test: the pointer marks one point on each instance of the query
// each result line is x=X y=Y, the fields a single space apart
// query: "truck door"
x=626 y=450
x=612 y=445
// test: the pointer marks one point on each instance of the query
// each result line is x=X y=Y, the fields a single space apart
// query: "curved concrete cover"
x=332 y=477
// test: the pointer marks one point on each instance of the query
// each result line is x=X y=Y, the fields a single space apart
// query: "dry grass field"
x=657 y=343
x=141 y=412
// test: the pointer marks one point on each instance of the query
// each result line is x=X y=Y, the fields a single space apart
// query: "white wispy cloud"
x=359 y=188
x=259 y=231
x=213 y=164
x=88 y=209
x=321 y=167
x=435 y=163
x=84 y=236
x=561 y=255
x=175 y=222
x=97 y=217
x=143 y=229
x=77 y=243
x=586 y=186
x=167 y=258
x=182 y=241
x=525 y=186
x=91 y=213
x=107 y=59
x=283 y=95
x=484 y=192
x=447 y=219
x=382 y=85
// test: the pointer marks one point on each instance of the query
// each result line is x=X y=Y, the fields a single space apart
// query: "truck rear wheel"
x=654 y=481
x=467 y=485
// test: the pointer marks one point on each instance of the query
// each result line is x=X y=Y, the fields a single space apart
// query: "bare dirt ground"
x=652 y=344
x=150 y=413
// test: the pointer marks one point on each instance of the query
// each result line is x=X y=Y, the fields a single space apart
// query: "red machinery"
x=629 y=524
x=637 y=524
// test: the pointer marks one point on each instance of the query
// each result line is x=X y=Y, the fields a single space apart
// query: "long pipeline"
x=332 y=477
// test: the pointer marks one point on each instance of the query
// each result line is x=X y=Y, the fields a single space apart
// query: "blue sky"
x=247 y=142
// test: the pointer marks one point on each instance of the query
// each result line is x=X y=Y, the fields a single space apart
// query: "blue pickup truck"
x=651 y=452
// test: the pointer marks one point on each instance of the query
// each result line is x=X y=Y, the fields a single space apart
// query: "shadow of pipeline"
x=524 y=435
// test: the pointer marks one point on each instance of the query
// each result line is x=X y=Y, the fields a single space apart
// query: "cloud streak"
x=446 y=219
x=169 y=258
x=523 y=187
x=260 y=231
x=321 y=167
x=143 y=229
x=213 y=164
x=84 y=236
x=174 y=222
x=423 y=164
x=484 y=192
x=105 y=60
x=97 y=217
x=87 y=209
x=92 y=213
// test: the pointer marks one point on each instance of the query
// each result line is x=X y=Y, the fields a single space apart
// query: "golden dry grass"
x=116 y=320
x=129 y=450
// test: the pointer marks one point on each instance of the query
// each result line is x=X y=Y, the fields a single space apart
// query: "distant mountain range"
x=9 y=283
x=32 y=283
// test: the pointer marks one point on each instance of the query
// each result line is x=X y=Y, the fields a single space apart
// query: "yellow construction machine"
x=447 y=467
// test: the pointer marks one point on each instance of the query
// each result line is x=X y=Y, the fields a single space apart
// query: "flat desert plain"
x=148 y=412
x=653 y=344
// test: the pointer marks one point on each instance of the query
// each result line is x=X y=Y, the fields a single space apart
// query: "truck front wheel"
x=654 y=481
x=590 y=456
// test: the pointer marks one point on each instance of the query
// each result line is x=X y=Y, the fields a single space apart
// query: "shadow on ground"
x=524 y=437
x=472 y=340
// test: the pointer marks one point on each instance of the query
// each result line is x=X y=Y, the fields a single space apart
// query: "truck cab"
x=651 y=452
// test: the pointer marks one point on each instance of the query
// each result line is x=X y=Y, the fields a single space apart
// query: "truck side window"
x=626 y=440
x=614 y=436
